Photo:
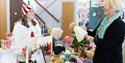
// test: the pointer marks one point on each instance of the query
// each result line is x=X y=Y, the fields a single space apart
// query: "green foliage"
x=81 y=43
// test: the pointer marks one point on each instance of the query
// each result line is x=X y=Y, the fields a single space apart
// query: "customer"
x=109 y=35
x=26 y=31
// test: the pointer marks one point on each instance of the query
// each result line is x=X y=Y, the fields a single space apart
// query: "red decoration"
x=24 y=50
x=32 y=34
x=49 y=49
x=8 y=35
x=90 y=47
x=49 y=46
x=90 y=28
x=48 y=52
x=99 y=15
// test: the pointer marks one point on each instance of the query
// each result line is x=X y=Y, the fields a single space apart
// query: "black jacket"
x=109 y=49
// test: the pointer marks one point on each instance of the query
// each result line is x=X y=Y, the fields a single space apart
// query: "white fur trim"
x=59 y=45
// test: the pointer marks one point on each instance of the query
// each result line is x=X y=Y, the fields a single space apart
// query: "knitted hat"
x=25 y=9
x=58 y=49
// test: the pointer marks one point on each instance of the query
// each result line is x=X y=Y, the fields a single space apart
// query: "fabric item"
x=22 y=37
x=57 y=42
x=56 y=33
x=79 y=33
x=67 y=52
x=25 y=9
x=56 y=58
x=123 y=52
x=68 y=40
x=105 y=24
x=109 y=49
x=21 y=62
x=59 y=45
x=58 y=49
x=89 y=61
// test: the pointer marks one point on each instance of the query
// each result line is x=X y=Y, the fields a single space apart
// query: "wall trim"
x=68 y=0
x=8 y=15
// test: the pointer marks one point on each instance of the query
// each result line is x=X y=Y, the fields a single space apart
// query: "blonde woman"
x=109 y=35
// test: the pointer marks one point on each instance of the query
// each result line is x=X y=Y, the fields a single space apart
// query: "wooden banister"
x=47 y=11
x=40 y=19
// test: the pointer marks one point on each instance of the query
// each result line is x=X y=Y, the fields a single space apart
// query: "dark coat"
x=109 y=49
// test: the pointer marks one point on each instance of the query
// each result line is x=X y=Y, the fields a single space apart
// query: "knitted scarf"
x=105 y=24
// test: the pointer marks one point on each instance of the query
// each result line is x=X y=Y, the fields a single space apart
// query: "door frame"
x=8 y=15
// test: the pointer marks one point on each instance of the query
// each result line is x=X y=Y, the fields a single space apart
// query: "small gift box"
x=6 y=44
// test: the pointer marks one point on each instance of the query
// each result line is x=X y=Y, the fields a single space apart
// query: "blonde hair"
x=113 y=5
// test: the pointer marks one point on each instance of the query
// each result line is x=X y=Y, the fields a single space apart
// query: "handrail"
x=40 y=19
x=47 y=11
x=49 y=5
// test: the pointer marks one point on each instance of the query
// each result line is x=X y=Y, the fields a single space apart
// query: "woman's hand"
x=89 y=38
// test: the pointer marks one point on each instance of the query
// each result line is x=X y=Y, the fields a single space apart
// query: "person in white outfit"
x=26 y=31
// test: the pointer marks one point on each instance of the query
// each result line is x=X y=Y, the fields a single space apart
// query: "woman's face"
x=107 y=8
x=31 y=14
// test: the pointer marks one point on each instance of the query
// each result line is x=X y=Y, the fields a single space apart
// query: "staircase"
x=48 y=12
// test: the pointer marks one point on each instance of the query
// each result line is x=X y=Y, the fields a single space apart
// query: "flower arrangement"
x=79 y=37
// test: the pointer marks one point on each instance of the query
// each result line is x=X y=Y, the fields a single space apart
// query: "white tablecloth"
x=8 y=56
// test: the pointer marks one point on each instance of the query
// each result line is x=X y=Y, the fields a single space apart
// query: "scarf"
x=105 y=24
